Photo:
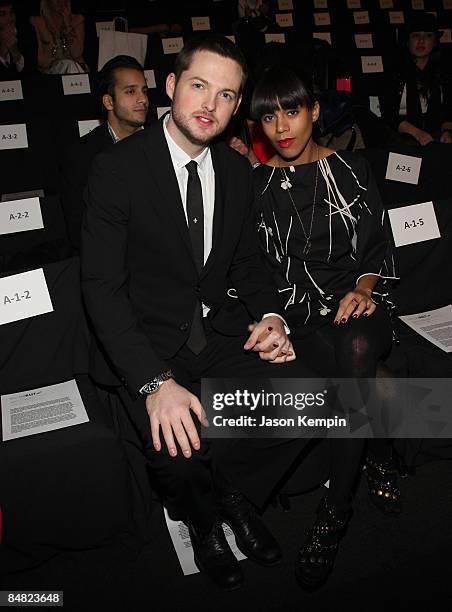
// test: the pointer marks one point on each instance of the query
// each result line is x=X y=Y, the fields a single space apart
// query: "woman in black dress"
x=323 y=232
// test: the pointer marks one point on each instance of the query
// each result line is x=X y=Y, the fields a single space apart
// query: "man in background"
x=17 y=47
x=123 y=96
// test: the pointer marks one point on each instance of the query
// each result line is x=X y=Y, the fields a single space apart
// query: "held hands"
x=269 y=339
x=169 y=408
x=355 y=303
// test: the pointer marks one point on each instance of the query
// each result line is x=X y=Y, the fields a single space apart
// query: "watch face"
x=154 y=384
x=150 y=388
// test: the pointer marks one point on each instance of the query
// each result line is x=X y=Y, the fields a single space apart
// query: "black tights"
x=353 y=350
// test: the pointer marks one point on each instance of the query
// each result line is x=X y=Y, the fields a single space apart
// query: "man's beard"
x=182 y=125
x=125 y=118
x=137 y=123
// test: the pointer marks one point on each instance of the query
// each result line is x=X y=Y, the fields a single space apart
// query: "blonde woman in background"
x=61 y=38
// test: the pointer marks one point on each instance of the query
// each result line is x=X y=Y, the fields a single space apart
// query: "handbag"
x=336 y=112
x=336 y=118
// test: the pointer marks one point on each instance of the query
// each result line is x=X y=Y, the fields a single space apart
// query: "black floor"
x=383 y=563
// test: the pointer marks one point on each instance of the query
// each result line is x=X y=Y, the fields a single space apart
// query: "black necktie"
x=195 y=215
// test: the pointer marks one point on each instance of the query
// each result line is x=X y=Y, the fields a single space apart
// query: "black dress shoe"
x=252 y=536
x=214 y=557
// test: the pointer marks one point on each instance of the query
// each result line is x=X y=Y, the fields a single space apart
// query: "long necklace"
x=286 y=185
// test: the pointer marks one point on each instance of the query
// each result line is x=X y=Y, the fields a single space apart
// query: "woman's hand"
x=238 y=144
x=423 y=137
x=354 y=304
x=271 y=348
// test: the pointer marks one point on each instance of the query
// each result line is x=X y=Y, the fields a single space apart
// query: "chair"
x=68 y=489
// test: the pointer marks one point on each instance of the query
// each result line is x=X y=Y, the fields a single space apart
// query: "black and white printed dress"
x=349 y=238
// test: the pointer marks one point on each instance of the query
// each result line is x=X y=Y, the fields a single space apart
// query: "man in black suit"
x=18 y=48
x=12 y=61
x=123 y=97
x=169 y=229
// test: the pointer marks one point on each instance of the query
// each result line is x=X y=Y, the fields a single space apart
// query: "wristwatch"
x=153 y=385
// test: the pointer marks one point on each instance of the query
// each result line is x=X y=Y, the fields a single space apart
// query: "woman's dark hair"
x=425 y=82
x=279 y=87
x=423 y=21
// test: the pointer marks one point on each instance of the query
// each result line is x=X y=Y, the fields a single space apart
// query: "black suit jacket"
x=74 y=170
x=138 y=273
x=9 y=73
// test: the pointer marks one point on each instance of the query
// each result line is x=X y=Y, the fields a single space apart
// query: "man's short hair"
x=214 y=43
x=106 y=79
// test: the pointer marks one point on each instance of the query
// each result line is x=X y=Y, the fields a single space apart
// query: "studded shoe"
x=383 y=483
x=316 y=557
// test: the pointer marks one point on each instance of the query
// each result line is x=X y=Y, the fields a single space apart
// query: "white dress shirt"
x=207 y=177
x=113 y=134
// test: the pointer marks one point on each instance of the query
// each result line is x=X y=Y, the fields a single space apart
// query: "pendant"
x=307 y=247
x=286 y=184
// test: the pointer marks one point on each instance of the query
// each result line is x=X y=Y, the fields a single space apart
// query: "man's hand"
x=355 y=303
x=169 y=408
x=269 y=339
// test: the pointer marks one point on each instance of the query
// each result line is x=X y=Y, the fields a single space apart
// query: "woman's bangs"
x=292 y=99
x=273 y=93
